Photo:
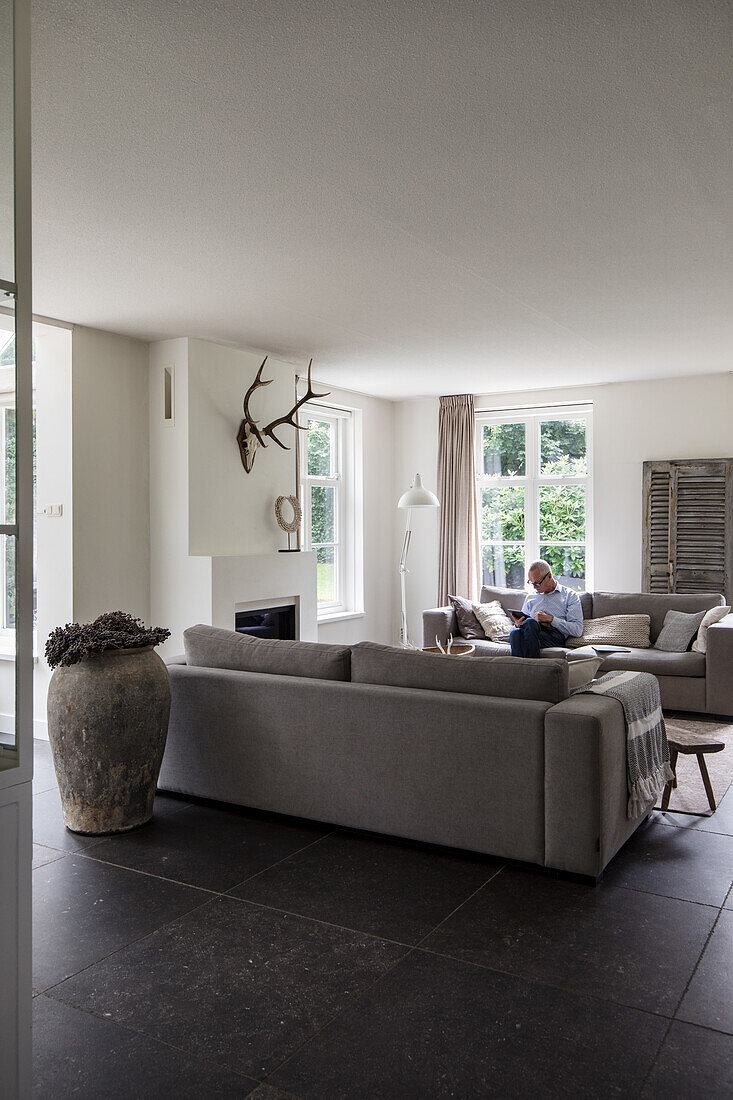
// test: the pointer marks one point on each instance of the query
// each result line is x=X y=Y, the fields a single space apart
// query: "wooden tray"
x=457 y=650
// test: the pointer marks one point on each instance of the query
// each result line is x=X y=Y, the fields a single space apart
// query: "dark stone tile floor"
x=222 y=953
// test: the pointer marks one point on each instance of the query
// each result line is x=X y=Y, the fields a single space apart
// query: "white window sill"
x=7 y=654
x=339 y=616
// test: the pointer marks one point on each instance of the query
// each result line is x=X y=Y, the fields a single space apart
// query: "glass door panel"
x=8 y=539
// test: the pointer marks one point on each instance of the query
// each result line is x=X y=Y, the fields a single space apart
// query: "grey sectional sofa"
x=487 y=754
x=698 y=682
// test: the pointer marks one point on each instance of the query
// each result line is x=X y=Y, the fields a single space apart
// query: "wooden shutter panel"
x=657 y=556
x=688 y=528
x=700 y=527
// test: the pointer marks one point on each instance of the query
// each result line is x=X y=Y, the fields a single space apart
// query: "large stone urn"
x=107 y=723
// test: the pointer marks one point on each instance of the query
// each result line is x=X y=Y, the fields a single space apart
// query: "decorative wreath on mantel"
x=290 y=526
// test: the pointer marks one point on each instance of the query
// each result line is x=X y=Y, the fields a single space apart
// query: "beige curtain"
x=459 y=549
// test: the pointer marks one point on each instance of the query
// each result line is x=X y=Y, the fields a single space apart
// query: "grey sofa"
x=486 y=754
x=698 y=682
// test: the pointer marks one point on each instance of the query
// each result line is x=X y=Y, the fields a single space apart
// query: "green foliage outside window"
x=562 y=448
x=322 y=507
x=319 y=448
x=562 y=507
x=10 y=543
x=503 y=450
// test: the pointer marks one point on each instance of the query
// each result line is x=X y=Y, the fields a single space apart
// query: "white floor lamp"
x=415 y=497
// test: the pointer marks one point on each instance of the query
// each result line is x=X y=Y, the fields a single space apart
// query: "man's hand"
x=543 y=617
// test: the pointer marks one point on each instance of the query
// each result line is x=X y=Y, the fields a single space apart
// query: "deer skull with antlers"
x=250 y=437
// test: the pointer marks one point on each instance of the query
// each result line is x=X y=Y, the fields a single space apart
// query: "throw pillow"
x=678 y=630
x=494 y=620
x=714 y=615
x=468 y=624
x=621 y=630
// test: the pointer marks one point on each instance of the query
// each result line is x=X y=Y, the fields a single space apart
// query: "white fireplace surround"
x=266 y=580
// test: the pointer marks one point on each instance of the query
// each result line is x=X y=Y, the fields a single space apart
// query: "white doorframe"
x=16 y=761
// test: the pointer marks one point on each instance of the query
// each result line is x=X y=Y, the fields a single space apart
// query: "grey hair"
x=541 y=565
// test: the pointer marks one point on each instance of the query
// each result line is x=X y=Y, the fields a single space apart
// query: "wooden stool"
x=691 y=744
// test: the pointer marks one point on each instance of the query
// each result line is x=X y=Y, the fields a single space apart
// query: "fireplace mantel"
x=256 y=580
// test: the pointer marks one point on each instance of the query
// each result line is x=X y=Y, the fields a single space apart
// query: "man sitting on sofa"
x=553 y=613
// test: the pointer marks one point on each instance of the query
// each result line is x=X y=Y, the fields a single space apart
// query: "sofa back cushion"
x=212 y=647
x=508 y=598
x=654 y=604
x=505 y=677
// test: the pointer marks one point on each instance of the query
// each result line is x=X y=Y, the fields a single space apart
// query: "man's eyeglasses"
x=540 y=582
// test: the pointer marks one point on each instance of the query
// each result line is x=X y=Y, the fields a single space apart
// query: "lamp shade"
x=418 y=497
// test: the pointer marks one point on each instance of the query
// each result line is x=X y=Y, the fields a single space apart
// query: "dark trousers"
x=528 y=639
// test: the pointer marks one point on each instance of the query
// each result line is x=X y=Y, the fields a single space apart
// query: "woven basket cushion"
x=494 y=620
x=628 y=630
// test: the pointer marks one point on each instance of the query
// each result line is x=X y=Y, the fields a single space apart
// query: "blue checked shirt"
x=564 y=606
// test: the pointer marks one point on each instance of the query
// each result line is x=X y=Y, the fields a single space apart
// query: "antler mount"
x=250 y=438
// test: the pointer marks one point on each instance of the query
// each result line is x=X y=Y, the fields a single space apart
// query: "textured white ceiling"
x=460 y=195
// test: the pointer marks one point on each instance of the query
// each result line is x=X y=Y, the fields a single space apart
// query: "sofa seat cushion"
x=212 y=647
x=502 y=676
x=656 y=661
x=486 y=648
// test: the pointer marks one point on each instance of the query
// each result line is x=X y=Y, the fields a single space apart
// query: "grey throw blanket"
x=647 y=751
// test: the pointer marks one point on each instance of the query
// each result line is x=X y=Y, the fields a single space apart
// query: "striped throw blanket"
x=647 y=751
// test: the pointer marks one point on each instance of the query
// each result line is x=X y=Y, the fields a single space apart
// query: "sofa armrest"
x=179 y=659
x=719 y=667
x=439 y=622
x=585 y=784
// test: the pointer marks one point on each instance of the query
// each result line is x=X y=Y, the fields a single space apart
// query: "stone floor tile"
x=76 y=1054
x=709 y=1000
x=242 y=985
x=436 y=1027
x=83 y=910
x=373 y=885
x=623 y=945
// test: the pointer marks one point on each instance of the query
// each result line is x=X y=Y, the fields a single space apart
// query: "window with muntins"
x=534 y=485
x=7 y=489
x=330 y=496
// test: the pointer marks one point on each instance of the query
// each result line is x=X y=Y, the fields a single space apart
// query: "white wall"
x=111 y=527
x=416 y=452
x=233 y=512
x=179 y=583
x=632 y=422
x=53 y=486
x=203 y=504
x=379 y=515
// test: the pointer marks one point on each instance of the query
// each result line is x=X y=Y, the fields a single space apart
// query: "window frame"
x=346 y=480
x=533 y=480
x=7 y=631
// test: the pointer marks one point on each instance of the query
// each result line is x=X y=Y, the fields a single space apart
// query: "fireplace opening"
x=267 y=622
